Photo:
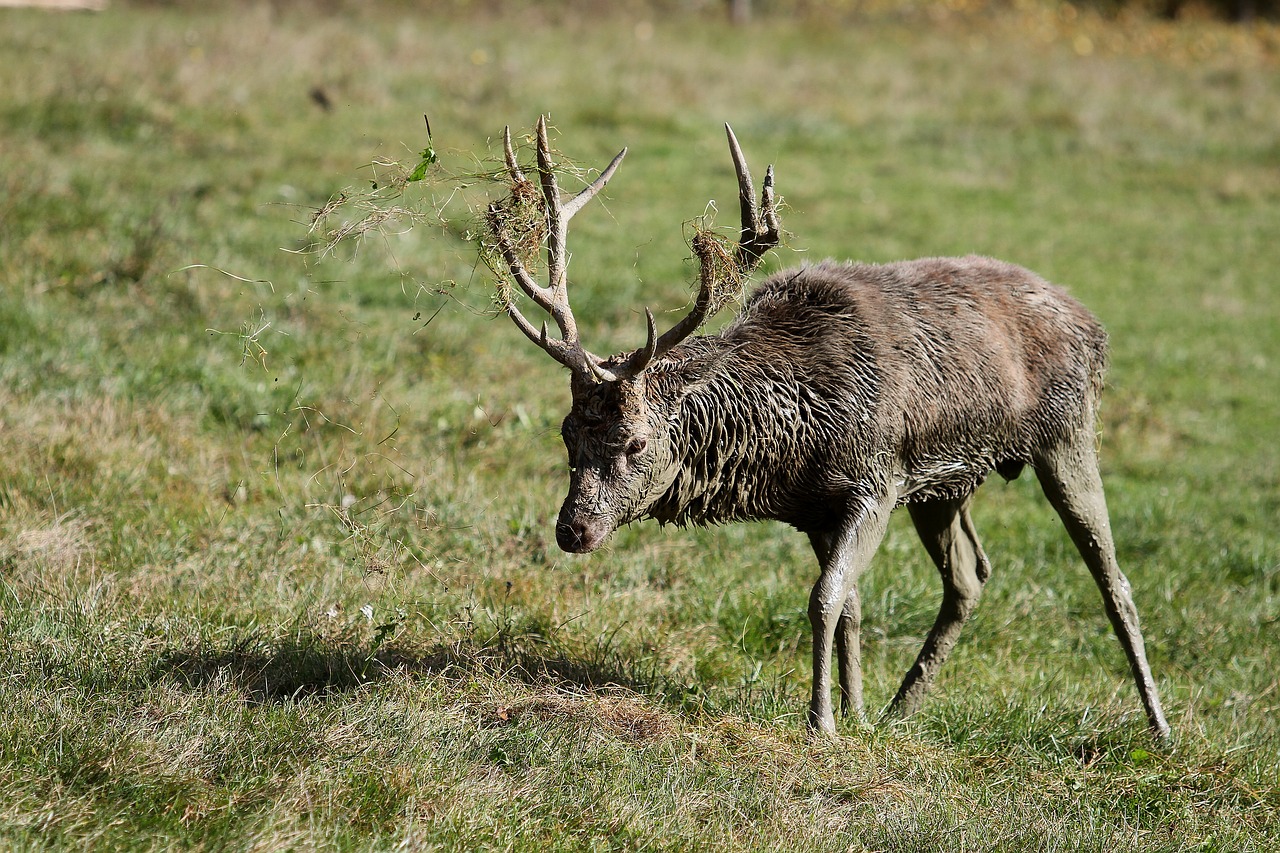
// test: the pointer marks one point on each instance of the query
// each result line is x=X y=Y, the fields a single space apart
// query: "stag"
x=840 y=392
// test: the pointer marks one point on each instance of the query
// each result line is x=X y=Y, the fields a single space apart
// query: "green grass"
x=276 y=557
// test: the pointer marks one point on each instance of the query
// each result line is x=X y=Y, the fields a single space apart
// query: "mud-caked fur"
x=840 y=392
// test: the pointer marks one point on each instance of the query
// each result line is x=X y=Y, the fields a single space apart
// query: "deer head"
x=619 y=432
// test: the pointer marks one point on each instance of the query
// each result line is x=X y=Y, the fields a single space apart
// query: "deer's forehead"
x=608 y=405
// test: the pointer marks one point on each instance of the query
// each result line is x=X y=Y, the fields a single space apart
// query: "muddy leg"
x=848 y=638
x=948 y=535
x=833 y=606
x=1069 y=476
x=849 y=655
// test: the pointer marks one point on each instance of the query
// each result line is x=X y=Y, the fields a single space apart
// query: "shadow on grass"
x=273 y=669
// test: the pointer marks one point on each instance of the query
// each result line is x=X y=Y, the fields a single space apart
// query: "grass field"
x=277 y=567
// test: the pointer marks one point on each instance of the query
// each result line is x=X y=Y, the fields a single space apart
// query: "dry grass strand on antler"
x=523 y=218
x=718 y=271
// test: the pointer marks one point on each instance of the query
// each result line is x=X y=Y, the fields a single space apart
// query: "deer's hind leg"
x=1069 y=475
x=948 y=535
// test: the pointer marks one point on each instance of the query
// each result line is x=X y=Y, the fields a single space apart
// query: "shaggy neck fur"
x=758 y=437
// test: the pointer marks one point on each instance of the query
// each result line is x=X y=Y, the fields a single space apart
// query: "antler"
x=554 y=299
x=760 y=229
x=760 y=233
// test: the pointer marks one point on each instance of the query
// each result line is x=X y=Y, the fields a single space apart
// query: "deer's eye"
x=635 y=445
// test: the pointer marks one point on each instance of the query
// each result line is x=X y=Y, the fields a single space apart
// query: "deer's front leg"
x=847 y=639
x=849 y=655
x=843 y=554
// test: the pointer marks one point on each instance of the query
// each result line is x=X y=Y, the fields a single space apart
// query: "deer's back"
x=946 y=367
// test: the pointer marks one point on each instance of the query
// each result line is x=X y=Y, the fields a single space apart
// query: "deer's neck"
x=750 y=443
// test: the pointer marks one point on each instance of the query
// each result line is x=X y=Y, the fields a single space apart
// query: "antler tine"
x=559 y=350
x=760 y=229
x=769 y=202
x=557 y=234
x=746 y=191
x=551 y=299
x=512 y=166
x=641 y=358
x=546 y=173
x=580 y=200
x=530 y=332
x=539 y=294
x=557 y=225
x=558 y=216
x=570 y=354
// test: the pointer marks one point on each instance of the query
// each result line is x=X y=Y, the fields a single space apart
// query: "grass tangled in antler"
x=354 y=214
x=718 y=269
x=522 y=217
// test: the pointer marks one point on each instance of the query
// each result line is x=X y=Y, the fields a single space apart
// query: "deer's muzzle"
x=578 y=536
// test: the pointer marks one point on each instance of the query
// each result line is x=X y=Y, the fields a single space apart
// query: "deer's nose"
x=571 y=536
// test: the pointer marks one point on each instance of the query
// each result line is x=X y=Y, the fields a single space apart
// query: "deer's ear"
x=677 y=381
x=696 y=376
